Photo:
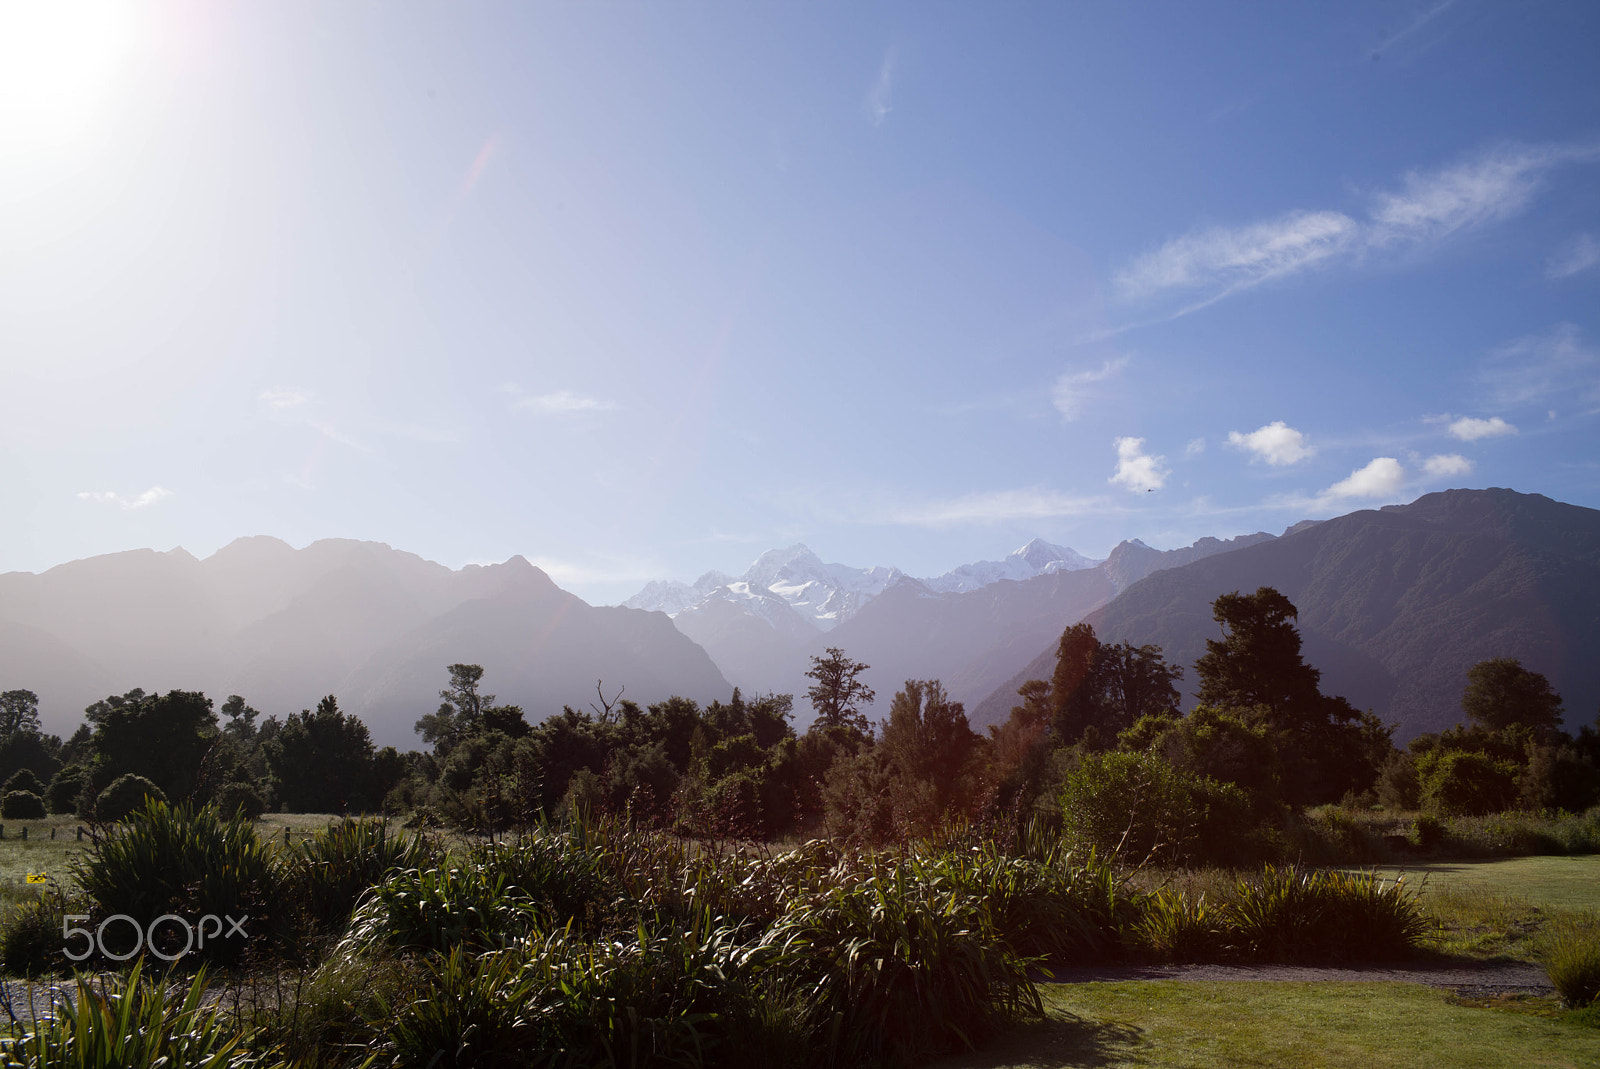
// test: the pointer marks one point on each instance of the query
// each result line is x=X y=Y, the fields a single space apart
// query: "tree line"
x=1102 y=738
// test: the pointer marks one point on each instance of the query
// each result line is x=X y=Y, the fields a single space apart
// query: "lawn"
x=1161 y=1024
x=1570 y=883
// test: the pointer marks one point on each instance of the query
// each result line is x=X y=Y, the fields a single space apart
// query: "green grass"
x=1550 y=883
x=38 y=853
x=1170 y=1024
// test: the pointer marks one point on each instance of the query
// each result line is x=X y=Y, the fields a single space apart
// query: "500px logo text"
x=195 y=935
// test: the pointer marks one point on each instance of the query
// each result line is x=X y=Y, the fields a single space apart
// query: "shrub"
x=439 y=909
x=1174 y=926
x=1570 y=951
x=331 y=870
x=1138 y=806
x=30 y=943
x=903 y=966
x=1293 y=915
x=1428 y=833
x=23 y=779
x=565 y=880
x=192 y=862
x=127 y=794
x=65 y=789
x=22 y=805
x=1464 y=783
x=237 y=796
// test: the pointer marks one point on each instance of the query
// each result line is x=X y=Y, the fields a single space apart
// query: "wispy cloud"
x=1422 y=19
x=1195 y=447
x=1137 y=470
x=1446 y=465
x=1579 y=254
x=281 y=398
x=1072 y=388
x=1277 y=444
x=558 y=402
x=1540 y=367
x=879 y=102
x=138 y=501
x=1469 y=429
x=997 y=507
x=1487 y=188
x=1427 y=207
x=1240 y=257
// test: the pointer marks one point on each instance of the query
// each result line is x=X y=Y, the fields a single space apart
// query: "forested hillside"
x=1396 y=604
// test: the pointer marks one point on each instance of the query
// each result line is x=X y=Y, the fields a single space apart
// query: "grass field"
x=40 y=854
x=1548 y=883
x=1170 y=1024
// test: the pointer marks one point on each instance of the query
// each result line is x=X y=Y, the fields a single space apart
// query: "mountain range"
x=971 y=627
x=372 y=625
x=1394 y=605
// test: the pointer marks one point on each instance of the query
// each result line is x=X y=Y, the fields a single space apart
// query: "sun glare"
x=58 y=63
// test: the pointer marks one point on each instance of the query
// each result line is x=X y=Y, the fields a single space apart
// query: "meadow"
x=600 y=943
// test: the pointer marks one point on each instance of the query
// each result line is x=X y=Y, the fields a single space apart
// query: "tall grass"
x=192 y=862
x=330 y=871
x=132 y=1023
x=1290 y=914
x=1569 y=948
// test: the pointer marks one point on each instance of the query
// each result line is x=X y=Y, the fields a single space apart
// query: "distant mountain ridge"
x=1395 y=604
x=971 y=627
x=372 y=625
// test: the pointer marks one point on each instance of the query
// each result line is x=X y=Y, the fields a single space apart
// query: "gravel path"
x=1473 y=980
x=22 y=1000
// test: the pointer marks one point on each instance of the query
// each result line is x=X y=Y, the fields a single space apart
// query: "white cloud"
x=1195 y=447
x=878 y=103
x=1382 y=477
x=998 y=506
x=283 y=398
x=1445 y=465
x=1277 y=443
x=1490 y=187
x=561 y=401
x=1533 y=369
x=1069 y=394
x=1238 y=258
x=138 y=501
x=1428 y=206
x=1136 y=469
x=1579 y=254
x=1470 y=430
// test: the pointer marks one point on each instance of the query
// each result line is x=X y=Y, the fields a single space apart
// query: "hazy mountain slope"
x=540 y=647
x=748 y=649
x=1396 y=604
x=969 y=640
x=284 y=627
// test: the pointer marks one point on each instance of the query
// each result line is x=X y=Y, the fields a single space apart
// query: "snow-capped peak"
x=1038 y=557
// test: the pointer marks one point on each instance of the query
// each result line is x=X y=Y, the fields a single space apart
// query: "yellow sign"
x=37 y=877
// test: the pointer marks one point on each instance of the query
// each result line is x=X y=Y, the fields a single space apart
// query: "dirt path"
x=1474 y=980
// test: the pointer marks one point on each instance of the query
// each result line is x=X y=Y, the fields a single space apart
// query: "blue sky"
x=642 y=290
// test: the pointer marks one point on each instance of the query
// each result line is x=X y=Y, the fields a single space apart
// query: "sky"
x=642 y=290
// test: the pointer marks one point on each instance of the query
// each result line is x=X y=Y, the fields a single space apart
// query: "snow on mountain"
x=665 y=595
x=780 y=584
x=1038 y=557
x=796 y=581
